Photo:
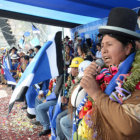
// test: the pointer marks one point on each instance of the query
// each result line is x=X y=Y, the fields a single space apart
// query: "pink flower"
x=66 y=84
x=107 y=79
x=73 y=81
x=138 y=86
x=114 y=70
x=100 y=76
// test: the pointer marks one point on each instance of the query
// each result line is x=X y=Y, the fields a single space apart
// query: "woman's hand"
x=88 y=81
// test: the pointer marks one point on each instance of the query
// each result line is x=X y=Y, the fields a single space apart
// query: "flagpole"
x=41 y=31
x=64 y=62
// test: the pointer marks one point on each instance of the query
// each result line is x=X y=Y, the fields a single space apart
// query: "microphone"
x=100 y=63
x=79 y=93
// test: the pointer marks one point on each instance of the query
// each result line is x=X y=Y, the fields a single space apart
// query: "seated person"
x=83 y=52
x=25 y=62
x=14 y=66
x=66 y=121
x=65 y=98
x=98 y=54
x=31 y=95
x=42 y=95
x=41 y=109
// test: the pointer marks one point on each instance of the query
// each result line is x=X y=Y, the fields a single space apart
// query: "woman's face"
x=13 y=51
x=21 y=54
x=14 y=61
x=22 y=59
x=99 y=48
x=67 y=49
x=36 y=50
x=30 y=51
x=113 y=51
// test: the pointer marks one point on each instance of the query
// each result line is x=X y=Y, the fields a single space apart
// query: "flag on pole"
x=26 y=34
x=22 y=42
x=47 y=63
x=7 y=67
x=32 y=93
x=8 y=62
x=35 y=29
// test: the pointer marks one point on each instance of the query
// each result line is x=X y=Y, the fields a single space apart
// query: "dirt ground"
x=17 y=125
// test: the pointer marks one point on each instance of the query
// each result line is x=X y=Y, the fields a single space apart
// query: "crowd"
x=101 y=98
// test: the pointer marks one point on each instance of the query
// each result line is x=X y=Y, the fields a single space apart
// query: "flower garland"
x=133 y=80
x=51 y=85
x=105 y=76
x=130 y=82
x=70 y=84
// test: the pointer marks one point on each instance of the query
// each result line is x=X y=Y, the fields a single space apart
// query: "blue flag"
x=22 y=42
x=46 y=64
x=26 y=34
x=7 y=66
x=31 y=94
x=53 y=116
x=35 y=29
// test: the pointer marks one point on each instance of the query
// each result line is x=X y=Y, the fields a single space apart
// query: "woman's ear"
x=128 y=49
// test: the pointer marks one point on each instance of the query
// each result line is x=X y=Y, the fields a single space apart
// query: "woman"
x=116 y=114
x=68 y=56
x=14 y=66
x=83 y=52
x=98 y=53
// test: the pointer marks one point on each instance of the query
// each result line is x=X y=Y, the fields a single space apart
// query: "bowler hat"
x=121 y=21
x=67 y=37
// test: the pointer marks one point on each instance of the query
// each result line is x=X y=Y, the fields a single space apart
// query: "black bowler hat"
x=121 y=21
x=67 y=37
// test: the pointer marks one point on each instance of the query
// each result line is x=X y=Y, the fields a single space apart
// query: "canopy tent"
x=65 y=13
